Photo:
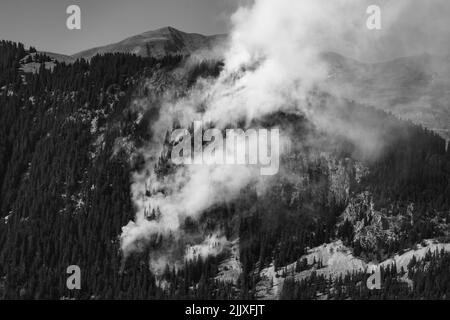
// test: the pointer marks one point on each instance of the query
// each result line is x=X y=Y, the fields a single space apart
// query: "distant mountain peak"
x=159 y=42
x=168 y=29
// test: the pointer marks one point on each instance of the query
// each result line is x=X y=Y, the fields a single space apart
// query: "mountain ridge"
x=412 y=87
x=159 y=42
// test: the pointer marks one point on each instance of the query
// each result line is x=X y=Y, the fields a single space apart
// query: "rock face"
x=318 y=175
x=340 y=175
x=230 y=269
x=371 y=227
x=157 y=43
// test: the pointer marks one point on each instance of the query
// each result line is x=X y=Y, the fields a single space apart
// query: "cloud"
x=272 y=63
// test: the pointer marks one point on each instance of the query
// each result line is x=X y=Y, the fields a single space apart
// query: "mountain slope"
x=415 y=88
x=334 y=260
x=59 y=57
x=157 y=43
x=67 y=141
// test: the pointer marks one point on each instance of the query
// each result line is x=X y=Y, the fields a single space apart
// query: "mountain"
x=336 y=262
x=416 y=88
x=69 y=135
x=59 y=57
x=157 y=43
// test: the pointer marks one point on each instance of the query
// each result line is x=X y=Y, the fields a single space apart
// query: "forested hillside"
x=65 y=192
x=63 y=197
x=428 y=279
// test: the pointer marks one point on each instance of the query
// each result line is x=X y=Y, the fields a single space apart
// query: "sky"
x=42 y=23
x=410 y=27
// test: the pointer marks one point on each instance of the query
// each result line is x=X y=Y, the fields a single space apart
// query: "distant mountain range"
x=415 y=88
x=154 y=43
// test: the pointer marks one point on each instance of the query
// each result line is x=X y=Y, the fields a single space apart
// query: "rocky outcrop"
x=372 y=228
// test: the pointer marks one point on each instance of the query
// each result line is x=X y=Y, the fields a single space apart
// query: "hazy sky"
x=42 y=23
x=409 y=26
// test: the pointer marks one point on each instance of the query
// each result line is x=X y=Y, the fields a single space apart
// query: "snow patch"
x=333 y=260
x=211 y=246
x=230 y=269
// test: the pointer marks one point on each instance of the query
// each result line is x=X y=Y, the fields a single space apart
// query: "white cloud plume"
x=272 y=62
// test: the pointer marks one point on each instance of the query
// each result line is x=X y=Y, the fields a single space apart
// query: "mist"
x=272 y=63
